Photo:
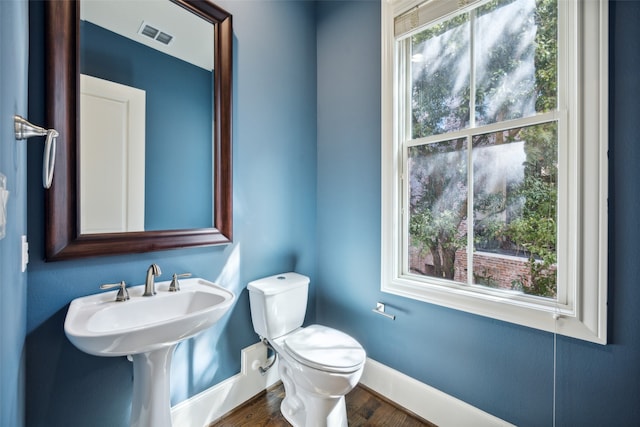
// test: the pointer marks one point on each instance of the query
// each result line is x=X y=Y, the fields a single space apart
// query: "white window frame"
x=581 y=308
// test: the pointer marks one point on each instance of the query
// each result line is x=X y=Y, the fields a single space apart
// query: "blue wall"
x=178 y=124
x=501 y=368
x=13 y=283
x=274 y=226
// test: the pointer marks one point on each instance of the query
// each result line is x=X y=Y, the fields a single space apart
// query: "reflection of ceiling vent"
x=154 y=33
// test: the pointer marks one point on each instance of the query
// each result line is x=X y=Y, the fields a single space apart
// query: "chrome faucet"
x=149 y=283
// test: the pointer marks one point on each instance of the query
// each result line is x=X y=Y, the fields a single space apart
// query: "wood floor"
x=364 y=408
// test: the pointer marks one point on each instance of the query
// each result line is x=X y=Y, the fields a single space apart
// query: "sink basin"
x=98 y=325
x=147 y=329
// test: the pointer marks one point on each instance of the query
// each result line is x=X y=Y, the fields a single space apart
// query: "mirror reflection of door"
x=166 y=52
x=112 y=157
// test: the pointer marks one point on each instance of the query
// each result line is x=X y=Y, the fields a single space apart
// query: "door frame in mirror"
x=62 y=236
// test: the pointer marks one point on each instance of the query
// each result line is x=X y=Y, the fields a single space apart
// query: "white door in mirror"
x=112 y=156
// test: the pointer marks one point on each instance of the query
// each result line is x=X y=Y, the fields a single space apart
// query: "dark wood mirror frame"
x=63 y=240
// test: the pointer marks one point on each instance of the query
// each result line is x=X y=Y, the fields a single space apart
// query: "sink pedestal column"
x=151 y=403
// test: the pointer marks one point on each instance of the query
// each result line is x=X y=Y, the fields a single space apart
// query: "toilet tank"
x=278 y=303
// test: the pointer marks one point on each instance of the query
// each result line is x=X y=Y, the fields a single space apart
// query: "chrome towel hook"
x=24 y=130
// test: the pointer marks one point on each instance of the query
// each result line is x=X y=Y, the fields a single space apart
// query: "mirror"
x=144 y=132
x=66 y=236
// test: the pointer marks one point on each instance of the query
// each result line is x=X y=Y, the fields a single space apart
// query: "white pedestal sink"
x=148 y=329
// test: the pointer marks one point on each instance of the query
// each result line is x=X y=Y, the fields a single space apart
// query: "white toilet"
x=318 y=365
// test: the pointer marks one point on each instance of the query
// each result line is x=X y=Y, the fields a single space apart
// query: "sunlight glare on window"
x=499 y=56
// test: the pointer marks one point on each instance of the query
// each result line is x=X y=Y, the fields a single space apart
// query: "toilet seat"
x=325 y=349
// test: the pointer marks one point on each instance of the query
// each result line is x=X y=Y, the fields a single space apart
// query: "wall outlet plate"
x=25 y=253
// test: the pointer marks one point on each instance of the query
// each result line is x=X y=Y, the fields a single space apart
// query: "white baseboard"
x=424 y=400
x=417 y=397
x=206 y=407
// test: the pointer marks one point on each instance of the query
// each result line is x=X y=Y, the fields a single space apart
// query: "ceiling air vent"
x=164 y=38
x=154 y=33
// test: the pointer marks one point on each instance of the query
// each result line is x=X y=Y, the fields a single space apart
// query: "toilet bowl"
x=318 y=365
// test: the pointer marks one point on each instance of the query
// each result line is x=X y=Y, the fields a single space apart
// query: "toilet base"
x=302 y=408
x=314 y=412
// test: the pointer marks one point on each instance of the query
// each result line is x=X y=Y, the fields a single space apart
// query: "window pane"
x=438 y=208
x=516 y=59
x=440 y=71
x=515 y=184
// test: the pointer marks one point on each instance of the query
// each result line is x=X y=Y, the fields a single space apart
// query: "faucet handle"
x=175 y=285
x=123 y=292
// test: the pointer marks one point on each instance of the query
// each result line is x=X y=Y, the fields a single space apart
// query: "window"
x=494 y=160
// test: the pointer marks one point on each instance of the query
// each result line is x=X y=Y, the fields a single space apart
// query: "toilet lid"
x=325 y=348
